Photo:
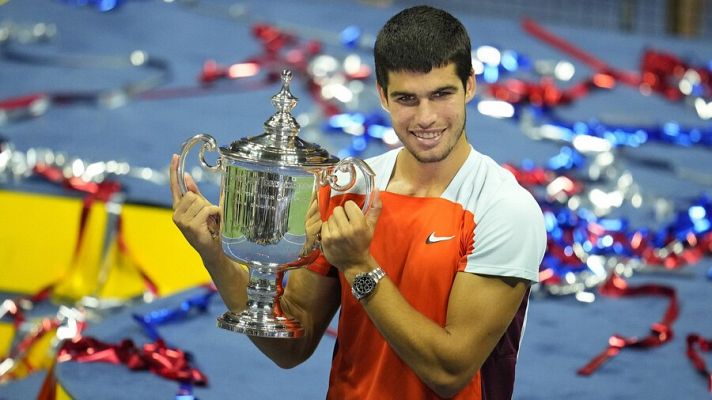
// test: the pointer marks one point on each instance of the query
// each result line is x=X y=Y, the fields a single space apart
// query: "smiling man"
x=433 y=282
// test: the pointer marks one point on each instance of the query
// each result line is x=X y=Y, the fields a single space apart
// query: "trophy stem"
x=263 y=316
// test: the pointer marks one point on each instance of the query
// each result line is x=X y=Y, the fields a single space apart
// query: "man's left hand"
x=346 y=235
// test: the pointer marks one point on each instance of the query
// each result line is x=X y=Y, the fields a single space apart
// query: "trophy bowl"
x=268 y=184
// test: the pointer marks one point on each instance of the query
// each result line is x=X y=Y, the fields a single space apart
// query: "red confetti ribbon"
x=697 y=360
x=546 y=93
x=45 y=326
x=660 y=72
x=156 y=357
x=660 y=332
x=124 y=248
x=536 y=30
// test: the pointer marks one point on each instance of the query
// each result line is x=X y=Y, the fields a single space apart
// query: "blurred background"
x=601 y=108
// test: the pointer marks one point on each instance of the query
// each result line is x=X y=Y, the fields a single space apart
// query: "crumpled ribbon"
x=150 y=322
x=697 y=360
x=156 y=357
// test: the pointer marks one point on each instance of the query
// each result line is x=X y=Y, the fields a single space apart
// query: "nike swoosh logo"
x=434 y=239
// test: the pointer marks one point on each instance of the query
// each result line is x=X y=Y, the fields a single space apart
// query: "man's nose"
x=425 y=114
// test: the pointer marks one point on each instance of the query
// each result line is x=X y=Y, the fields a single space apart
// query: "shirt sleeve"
x=509 y=237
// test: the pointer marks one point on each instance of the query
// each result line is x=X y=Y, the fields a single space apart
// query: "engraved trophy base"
x=263 y=316
x=261 y=326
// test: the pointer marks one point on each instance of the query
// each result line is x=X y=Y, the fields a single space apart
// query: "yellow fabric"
x=62 y=394
x=7 y=332
x=37 y=246
x=39 y=356
x=157 y=245
x=37 y=239
x=37 y=249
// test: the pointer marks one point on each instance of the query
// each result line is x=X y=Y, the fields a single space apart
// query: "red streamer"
x=660 y=72
x=536 y=30
x=697 y=360
x=660 y=332
x=156 y=357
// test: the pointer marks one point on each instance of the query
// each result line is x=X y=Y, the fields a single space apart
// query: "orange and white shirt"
x=483 y=223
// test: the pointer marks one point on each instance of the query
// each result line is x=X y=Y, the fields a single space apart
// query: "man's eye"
x=441 y=93
x=406 y=99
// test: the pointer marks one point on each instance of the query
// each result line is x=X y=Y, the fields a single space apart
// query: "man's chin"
x=430 y=157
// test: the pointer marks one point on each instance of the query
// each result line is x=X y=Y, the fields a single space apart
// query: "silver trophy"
x=268 y=184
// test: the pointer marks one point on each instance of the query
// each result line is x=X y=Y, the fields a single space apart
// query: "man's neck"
x=414 y=178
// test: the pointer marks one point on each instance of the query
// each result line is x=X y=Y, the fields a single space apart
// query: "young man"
x=442 y=263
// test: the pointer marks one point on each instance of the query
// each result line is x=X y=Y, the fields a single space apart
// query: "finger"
x=313 y=208
x=325 y=232
x=339 y=221
x=195 y=208
x=191 y=185
x=210 y=215
x=175 y=189
x=354 y=214
x=187 y=201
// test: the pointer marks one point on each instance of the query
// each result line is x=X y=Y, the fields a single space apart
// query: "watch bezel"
x=365 y=283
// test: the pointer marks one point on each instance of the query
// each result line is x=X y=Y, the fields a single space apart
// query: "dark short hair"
x=419 y=39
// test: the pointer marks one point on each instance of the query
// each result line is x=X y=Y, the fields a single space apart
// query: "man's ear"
x=470 y=87
x=383 y=98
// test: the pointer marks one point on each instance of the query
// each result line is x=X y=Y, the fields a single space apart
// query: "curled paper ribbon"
x=697 y=361
x=35 y=104
x=15 y=308
x=618 y=135
x=660 y=72
x=149 y=322
x=280 y=49
x=669 y=75
x=583 y=247
x=17 y=354
x=156 y=357
x=660 y=332
x=560 y=43
x=67 y=323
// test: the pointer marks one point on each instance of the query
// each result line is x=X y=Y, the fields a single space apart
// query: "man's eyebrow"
x=398 y=93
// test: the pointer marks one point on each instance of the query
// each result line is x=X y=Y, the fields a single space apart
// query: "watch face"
x=363 y=284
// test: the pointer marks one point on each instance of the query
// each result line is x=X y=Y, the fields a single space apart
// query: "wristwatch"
x=365 y=282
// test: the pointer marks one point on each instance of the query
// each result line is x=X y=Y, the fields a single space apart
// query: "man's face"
x=428 y=110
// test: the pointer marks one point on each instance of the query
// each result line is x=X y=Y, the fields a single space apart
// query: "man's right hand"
x=197 y=219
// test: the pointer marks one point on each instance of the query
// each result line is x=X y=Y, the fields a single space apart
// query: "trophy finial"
x=286 y=76
x=282 y=123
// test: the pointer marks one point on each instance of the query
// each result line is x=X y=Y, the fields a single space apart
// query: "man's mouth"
x=430 y=134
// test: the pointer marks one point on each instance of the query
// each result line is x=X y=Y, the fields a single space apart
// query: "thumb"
x=374 y=211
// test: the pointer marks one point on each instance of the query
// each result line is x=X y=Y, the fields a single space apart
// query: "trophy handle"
x=349 y=165
x=209 y=144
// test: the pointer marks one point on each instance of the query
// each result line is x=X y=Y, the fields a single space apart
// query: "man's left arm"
x=480 y=309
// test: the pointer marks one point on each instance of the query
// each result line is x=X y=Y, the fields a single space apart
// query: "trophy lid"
x=279 y=144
